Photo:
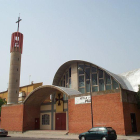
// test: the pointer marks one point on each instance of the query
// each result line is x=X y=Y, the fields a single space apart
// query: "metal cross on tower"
x=18 y=23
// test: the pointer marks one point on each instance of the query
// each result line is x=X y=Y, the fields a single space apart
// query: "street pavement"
x=53 y=135
x=27 y=138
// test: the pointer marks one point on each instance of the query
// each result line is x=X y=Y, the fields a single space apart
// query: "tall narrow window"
x=100 y=73
x=69 y=72
x=82 y=67
x=101 y=84
x=81 y=76
x=108 y=81
x=87 y=69
x=88 y=86
x=115 y=84
x=81 y=81
x=87 y=73
x=64 y=81
x=101 y=80
x=69 y=82
x=61 y=83
x=94 y=79
x=67 y=79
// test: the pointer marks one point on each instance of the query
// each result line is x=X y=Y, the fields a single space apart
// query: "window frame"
x=98 y=79
x=44 y=121
x=83 y=74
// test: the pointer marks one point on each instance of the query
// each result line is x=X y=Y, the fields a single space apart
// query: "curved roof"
x=132 y=79
x=38 y=95
x=63 y=67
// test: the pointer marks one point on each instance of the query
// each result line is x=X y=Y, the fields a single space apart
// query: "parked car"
x=99 y=133
x=3 y=132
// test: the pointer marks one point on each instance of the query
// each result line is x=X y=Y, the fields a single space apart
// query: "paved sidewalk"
x=44 y=134
x=61 y=135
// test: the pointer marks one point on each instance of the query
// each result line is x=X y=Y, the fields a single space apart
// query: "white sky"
x=104 y=32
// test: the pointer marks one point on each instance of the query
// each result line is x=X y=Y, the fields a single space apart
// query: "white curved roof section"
x=120 y=79
x=132 y=79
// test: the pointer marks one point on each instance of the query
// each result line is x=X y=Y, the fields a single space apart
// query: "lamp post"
x=79 y=68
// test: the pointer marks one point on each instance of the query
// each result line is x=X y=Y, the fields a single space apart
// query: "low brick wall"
x=19 y=117
x=12 y=117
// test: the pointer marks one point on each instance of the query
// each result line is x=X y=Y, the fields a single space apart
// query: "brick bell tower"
x=15 y=63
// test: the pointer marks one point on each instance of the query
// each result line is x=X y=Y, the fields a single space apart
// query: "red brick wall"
x=12 y=117
x=79 y=117
x=131 y=108
x=107 y=111
x=30 y=113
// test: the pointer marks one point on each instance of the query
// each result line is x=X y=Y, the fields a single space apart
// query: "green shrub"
x=138 y=94
x=2 y=102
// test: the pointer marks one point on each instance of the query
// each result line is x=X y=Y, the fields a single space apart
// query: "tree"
x=2 y=102
x=138 y=93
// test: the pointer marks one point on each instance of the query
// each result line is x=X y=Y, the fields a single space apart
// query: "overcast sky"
x=104 y=32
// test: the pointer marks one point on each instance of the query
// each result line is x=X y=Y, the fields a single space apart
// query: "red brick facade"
x=108 y=110
x=12 y=117
x=79 y=117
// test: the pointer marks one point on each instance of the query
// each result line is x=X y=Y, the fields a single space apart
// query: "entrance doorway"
x=60 y=121
x=36 y=123
x=133 y=122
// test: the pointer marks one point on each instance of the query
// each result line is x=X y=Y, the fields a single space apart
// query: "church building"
x=82 y=95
